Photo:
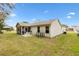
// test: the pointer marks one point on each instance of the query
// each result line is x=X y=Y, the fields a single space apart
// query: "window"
x=29 y=29
x=26 y=29
x=38 y=29
x=47 y=29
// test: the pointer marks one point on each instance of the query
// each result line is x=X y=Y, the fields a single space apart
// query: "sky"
x=30 y=12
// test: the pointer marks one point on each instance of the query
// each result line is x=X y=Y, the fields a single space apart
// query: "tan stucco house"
x=49 y=28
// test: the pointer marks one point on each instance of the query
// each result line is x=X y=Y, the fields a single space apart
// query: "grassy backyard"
x=13 y=44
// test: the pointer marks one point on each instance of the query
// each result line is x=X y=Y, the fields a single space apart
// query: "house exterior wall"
x=42 y=30
x=34 y=30
x=55 y=29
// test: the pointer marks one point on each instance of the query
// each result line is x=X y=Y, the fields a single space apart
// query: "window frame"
x=46 y=29
x=29 y=29
x=38 y=29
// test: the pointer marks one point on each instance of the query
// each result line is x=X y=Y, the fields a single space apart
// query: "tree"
x=5 y=10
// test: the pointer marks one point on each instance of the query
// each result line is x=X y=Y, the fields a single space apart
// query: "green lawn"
x=13 y=44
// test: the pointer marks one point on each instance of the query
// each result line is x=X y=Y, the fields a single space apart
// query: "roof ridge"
x=42 y=22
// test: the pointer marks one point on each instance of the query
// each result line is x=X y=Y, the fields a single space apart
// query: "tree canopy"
x=5 y=10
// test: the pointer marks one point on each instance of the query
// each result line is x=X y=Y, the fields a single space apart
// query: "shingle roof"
x=24 y=24
x=47 y=22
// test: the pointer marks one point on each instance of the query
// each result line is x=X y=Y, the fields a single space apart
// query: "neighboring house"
x=67 y=28
x=48 y=28
x=70 y=28
x=76 y=29
x=64 y=27
x=7 y=28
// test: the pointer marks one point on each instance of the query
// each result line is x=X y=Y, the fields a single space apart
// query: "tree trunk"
x=1 y=31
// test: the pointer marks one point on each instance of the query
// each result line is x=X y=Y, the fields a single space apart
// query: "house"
x=76 y=29
x=64 y=27
x=7 y=28
x=70 y=28
x=67 y=28
x=49 y=28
